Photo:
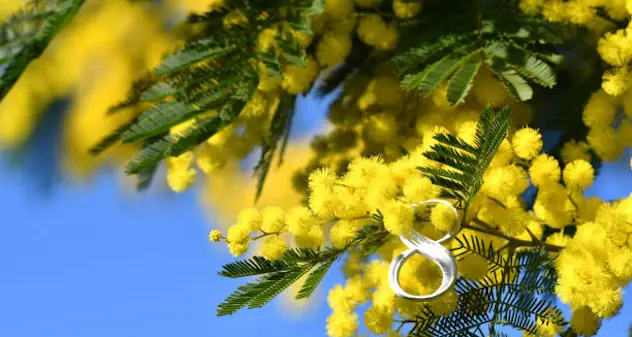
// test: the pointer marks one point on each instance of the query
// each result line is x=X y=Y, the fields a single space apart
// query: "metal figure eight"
x=419 y=244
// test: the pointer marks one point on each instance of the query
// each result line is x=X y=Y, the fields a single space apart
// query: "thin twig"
x=517 y=242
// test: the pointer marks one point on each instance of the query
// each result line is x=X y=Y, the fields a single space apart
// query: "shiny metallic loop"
x=419 y=244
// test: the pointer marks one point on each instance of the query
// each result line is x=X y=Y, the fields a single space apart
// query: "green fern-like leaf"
x=461 y=83
x=196 y=52
x=313 y=280
x=494 y=34
x=175 y=145
x=149 y=156
x=279 y=131
x=508 y=296
x=517 y=86
x=276 y=276
x=158 y=119
x=19 y=46
x=466 y=175
x=214 y=71
x=111 y=138
x=256 y=265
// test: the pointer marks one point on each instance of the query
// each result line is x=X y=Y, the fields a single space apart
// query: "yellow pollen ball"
x=375 y=32
x=180 y=176
x=378 y=320
x=342 y=324
x=616 y=82
x=418 y=188
x=382 y=127
x=473 y=267
x=544 y=169
x=267 y=39
x=333 y=48
x=584 y=322
x=443 y=218
x=398 y=217
x=527 y=143
x=338 y=9
x=531 y=7
x=272 y=219
x=297 y=79
x=579 y=174
x=274 y=247
x=575 y=150
x=210 y=157
x=343 y=232
x=215 y=235
x=605 y=142
x=237 y=239
x=250 y=218
x=340 y=300
x=600 y=109
x=406 y=10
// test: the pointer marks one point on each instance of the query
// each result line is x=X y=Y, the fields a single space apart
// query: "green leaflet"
x=256 y=265
x=517 y=301
x=276 y=277
x=429 y=79
x=194 y=53
x=157 y=92
x=171 y=145
x=502 y=34
x=18 y=50
x=279 y=131
x=200 y=131
x=526 y=63
x=465 y=176
x=313 y=280
x=255 y=295
x=149 y=156
x=461 y=83
x=111 y=138
x=515 y=84
x=157 y=119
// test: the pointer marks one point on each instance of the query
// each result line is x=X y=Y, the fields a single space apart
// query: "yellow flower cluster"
x=374 y=116
x=610 y=131
x=597 y=263
x=180 y=174
x=340 y=205
x=609 y=120
x=580 y=12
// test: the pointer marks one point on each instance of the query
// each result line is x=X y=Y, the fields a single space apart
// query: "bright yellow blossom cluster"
x=596 y=264
x=365 y=169
x=610 y=130
x=374 y=116
x=609 y=120
x=340 y=205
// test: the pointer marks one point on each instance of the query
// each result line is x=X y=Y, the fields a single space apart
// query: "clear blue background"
x=89 y=261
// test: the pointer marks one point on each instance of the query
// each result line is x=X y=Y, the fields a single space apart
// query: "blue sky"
x=89 y=260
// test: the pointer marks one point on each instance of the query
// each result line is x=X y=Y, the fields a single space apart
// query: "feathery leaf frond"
x=276 y=277
x=465 y=176
x=25 y=35
x=453 y=52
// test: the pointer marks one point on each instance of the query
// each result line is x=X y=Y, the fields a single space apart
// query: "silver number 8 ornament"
x=419 y=244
